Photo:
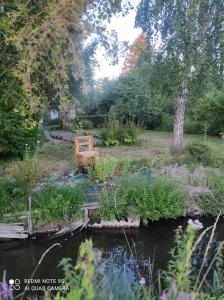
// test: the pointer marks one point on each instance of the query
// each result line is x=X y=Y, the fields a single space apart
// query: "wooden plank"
x=11 y=228
x=91 y=205
x=69 y=228
x=13 y=235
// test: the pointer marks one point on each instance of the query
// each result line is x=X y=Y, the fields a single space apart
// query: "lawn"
x=151 y=145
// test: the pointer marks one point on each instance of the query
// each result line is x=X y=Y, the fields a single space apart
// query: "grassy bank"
x=141 y=180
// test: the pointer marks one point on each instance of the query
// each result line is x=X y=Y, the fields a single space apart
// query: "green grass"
x=58 y=203
x=50 y=204
x=155 y=145
x=137 y=196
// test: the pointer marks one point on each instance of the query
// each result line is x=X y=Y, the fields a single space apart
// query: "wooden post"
x=30 y=225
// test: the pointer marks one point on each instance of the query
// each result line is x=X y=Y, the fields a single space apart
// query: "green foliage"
x=210 y=109
x=131 y=98
x=13 y=197
x=58 y=203
x=115 y=132
x=14 y=133
x=166 y=123
x=180 y=268
x=86 y=124
x=49 y=204
x=96 y=120
x=136 y=196
x=162 y=198
x=199 y=153
x=213 y=203
x=81 y=278
x=68 y=127
x=192 y=126
x=30 y=169
x=54 y=124
x=112 y=207
x=102 y=169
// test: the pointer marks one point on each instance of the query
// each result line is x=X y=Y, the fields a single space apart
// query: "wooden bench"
x=84 y=153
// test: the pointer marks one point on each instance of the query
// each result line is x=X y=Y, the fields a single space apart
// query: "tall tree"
x=189 y=38
x=136 y=50
x=49 y=37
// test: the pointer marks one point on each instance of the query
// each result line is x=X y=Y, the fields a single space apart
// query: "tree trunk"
x=177 y=145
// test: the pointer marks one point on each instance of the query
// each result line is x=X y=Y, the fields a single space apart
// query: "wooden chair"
x=84 y=152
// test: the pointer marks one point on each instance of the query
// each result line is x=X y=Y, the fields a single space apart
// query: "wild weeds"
x=103 y=169
x=116 y=132
x=30 y=169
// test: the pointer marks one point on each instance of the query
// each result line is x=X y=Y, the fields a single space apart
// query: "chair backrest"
x=83 y=141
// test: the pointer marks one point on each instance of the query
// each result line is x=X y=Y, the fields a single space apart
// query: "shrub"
x=86 y=124
x=58 y=203
x=192 y=127
x=97 y=121
x=68 y=127
x=138 y=196
x=28 y=170
x=13 y=197
x=213 y=203
x=210 y=109
x=103 y=168
x=166 y=123
x=14 y=134
x=199 y=153
x=110 y=208
x=115 y=132
x=55 y=124
x=162 y=198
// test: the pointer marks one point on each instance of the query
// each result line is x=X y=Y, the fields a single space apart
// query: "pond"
x=147 y=244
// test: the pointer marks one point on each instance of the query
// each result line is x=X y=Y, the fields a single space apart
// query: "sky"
x=124 y=26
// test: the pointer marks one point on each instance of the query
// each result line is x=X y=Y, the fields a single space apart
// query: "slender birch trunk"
x=177 y=145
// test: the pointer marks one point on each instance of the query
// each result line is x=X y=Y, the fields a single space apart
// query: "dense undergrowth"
x=137 y=196
x=49 y=204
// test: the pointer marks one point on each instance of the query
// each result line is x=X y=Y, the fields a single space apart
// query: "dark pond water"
x=147 y=244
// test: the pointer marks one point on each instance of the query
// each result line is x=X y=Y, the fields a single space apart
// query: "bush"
x=167 y=123
x=110 y=208
x=29 y=170
x=55 y=124
x=115 y=132
x=137 y=196
x=86 y=124
x=97 y=121
x=13 y=197
x=14 y=134
x=210 y=109
x=162 y=198
x=192 y=127
x=213 y=203
x=68 y=127
x=102 y=169
x=199 y=153
x=58 y=203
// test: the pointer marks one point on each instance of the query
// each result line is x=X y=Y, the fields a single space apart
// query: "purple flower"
x=196 y=224
x=164 y=296
x=173 y=288
x=5 y=292
x=185 y=296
